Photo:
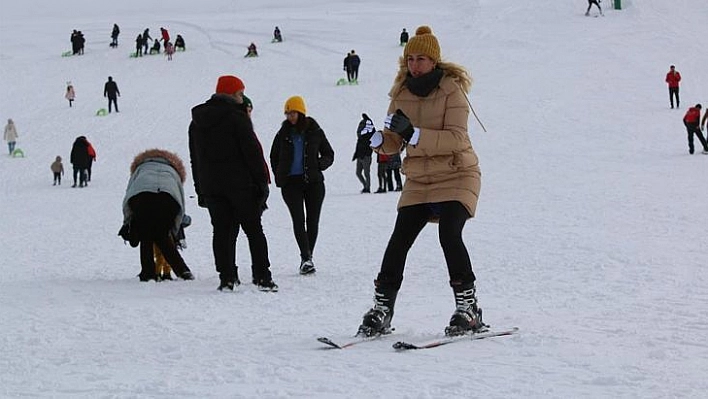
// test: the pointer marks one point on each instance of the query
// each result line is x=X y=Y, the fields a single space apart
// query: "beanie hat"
x=247 y=102
x=424 y=42
x=229 y=84
x=295 y=103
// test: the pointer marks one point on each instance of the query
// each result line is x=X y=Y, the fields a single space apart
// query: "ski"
x=353 y=341
x=402 y=346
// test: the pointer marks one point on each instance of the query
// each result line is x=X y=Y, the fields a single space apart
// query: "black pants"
x=394 y=173
x=304 y=201
x=674 y=91
x=352 y=73
x=113 y=100
x=385 y=177
x=691 y=129
x=590 y=3
x=363 y=171
x=229 y=213
x=153 y=217
x=81 y=173
x=409 y=223
x=57 y=177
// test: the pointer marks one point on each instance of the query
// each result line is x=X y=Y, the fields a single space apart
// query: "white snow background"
x=590 y=233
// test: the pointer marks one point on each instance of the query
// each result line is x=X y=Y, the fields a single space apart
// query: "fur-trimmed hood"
x=173 y=159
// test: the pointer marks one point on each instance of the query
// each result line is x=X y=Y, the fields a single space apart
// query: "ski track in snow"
x=588 y=234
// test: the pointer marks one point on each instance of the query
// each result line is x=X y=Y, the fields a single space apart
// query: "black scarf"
x=423 y=85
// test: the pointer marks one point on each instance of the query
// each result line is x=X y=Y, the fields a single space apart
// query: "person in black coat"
x=114 y=35
x=362 y=154
x=404 y=37
x=80 y=160
x=110 y=90
x=231 y=180
x=353 y=66
x=299 y=154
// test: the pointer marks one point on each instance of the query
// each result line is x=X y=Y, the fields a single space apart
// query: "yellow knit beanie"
x=295 y=103
x=424 y=42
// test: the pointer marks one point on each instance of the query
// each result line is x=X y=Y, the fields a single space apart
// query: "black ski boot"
x=467 y=317
x=378 y=319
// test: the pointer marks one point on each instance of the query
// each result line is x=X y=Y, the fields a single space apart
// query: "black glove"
x=262 y=193
x=401 y=125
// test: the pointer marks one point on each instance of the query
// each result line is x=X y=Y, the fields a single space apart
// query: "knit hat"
x=424 y=42
x=295 y=103
x=229 y=84
x=247 y=102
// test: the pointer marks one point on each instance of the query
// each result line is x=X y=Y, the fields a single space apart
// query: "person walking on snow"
x=590 y=3
x=57 y=169
x=114 y=35
x=70 y=93
x=231 y=181
x=673 y=77
x=362 y=153
x=10 y=135
x=110 y=90
x=691 y=121
x=299 y=154
x=428 y=116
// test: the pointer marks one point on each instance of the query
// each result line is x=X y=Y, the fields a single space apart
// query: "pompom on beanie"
x=424 y=42
x=295 y=103
x=229 y=84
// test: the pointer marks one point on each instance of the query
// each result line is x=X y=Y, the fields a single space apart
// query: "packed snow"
x=589 y=235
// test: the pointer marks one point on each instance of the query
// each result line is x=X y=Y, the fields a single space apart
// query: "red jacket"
x=693 y=115
x=673 y=79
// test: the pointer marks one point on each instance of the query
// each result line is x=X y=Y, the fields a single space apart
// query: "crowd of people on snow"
x=425 y=133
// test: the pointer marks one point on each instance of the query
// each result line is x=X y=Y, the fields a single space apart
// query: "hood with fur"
x=173 y=159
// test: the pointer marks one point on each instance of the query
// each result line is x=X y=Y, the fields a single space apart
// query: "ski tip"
x=329 y=342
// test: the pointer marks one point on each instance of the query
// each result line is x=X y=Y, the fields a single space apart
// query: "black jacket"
x=363 y=147
x=318 y=153
x=80 y=157
x=225 y=153
x=110 y=89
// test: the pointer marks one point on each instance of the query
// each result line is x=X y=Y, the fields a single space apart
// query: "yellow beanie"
x=295 y=103
x=424 y=42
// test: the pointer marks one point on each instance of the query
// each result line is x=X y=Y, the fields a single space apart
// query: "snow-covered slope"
x=590 y=233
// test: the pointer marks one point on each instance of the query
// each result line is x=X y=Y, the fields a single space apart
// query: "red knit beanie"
x=229 y=84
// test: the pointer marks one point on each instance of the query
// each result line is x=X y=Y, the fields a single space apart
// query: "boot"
x=378 y=319
x=467 y=316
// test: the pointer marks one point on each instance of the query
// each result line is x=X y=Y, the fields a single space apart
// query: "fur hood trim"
x=172 y=158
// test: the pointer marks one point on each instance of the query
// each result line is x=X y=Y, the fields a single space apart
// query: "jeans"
x=364 y=165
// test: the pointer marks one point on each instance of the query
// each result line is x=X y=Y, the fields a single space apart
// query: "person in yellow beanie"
x=427 y=117
x=298 y=156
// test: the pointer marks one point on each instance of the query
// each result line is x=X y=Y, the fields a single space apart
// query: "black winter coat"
x=80 y=157
x=318 y=153
x=225 y=153
x=363 y=147
x=110 y=89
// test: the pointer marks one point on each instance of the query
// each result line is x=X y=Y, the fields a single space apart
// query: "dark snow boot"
x=378 y=319
x=467 y=316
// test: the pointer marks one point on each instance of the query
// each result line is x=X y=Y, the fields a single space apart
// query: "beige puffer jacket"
x=443 y=165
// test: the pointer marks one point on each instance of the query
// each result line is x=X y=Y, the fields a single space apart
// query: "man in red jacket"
x=673 y=78
x=690 y=120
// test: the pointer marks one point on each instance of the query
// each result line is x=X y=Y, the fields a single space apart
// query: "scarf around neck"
x=423 y=85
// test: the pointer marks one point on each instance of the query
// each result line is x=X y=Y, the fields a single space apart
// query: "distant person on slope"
x=179 y=43
x=110 y=90
x=673 y=77
x=404 y=37
x=690 y=120
x=70 y=93
x=114 y=35
x=590 y=3
x=10 y=135
x=428 y=116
